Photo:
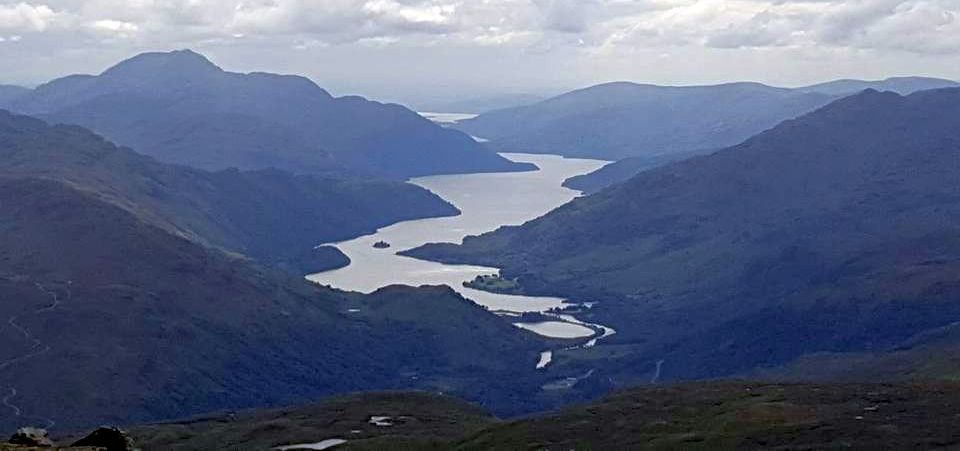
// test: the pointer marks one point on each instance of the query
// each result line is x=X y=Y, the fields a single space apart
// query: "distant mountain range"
x=480 y=104
x=621 y=120
x=834 y=232
x=181 y=108
x=899 y=85
x=129 y=294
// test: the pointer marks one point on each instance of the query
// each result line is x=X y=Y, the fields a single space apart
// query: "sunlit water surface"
x=487 y=201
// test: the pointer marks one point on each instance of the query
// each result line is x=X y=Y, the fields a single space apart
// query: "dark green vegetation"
x=835 y=232
x=932 y=355
x=621 y=120
x=623 y=170
x=494 y=284
x=127 y=294
x=707 y=416
x=420 y=421
x=179 y=107
x=744 y=416
x=270 y=215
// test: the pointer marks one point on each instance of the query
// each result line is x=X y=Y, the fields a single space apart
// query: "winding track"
x=6 y=401
x=37 y=349
x=656 y=375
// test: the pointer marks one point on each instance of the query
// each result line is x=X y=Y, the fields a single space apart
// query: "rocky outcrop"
x=109 y=438
x=102 y=439
x=31 y=437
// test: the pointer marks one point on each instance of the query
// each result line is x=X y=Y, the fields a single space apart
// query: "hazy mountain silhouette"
x=9 y=93
x=181 y=108
x=899 y=85
x=619 y=120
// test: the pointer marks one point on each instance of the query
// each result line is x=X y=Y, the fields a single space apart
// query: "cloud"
x=622 y=36
x=26 y=17
x=902 y=25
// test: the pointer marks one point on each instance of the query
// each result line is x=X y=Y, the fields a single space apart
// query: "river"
x=487 y=201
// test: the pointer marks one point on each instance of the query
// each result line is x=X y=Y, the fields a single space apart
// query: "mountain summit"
x=181 y=108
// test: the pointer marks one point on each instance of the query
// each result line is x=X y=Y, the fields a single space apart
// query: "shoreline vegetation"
x=494 y=283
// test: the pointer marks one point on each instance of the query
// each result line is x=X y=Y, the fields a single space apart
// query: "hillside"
x=181 y=108
x=175 y=329
x=620 y=120
x=623 y=170
x=740 y=415
x=9 y=93
x=709 y=416
x=269 y=215
x=420 y=420
x=834 y=232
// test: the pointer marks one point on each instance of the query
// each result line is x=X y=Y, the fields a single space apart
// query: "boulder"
x=31 y=437
x=110 y=438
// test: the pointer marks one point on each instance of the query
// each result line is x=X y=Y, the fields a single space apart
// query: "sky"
x=402 y=50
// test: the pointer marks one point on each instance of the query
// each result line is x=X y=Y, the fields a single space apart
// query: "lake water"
x=487 y=201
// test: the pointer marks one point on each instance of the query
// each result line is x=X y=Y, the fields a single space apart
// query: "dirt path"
x=35 y=350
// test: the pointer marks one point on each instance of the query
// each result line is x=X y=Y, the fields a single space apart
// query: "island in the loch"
x=381 y=244
x=493 y=283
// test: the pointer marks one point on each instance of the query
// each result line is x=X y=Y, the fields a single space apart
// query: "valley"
x=549 y=225
x=486 y=202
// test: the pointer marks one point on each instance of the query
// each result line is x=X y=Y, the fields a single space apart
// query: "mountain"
x=118 y=271
x=9 y=93
x=623 y=170
x=900 y=85
x=626 y=168
x=834 y=232
x=95 y=297
x=620 y=120
x=270 y=215
x=181 y=108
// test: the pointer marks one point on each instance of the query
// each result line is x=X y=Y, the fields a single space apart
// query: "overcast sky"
x=401 y=49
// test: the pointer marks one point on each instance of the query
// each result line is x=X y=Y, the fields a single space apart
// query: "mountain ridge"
x=269 y=215
x=180 y=107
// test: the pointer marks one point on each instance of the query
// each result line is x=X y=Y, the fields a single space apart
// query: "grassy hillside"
x=419 y=421
x=708 y=416
x=623 y=170
x=270 y=215
x=94 y=297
